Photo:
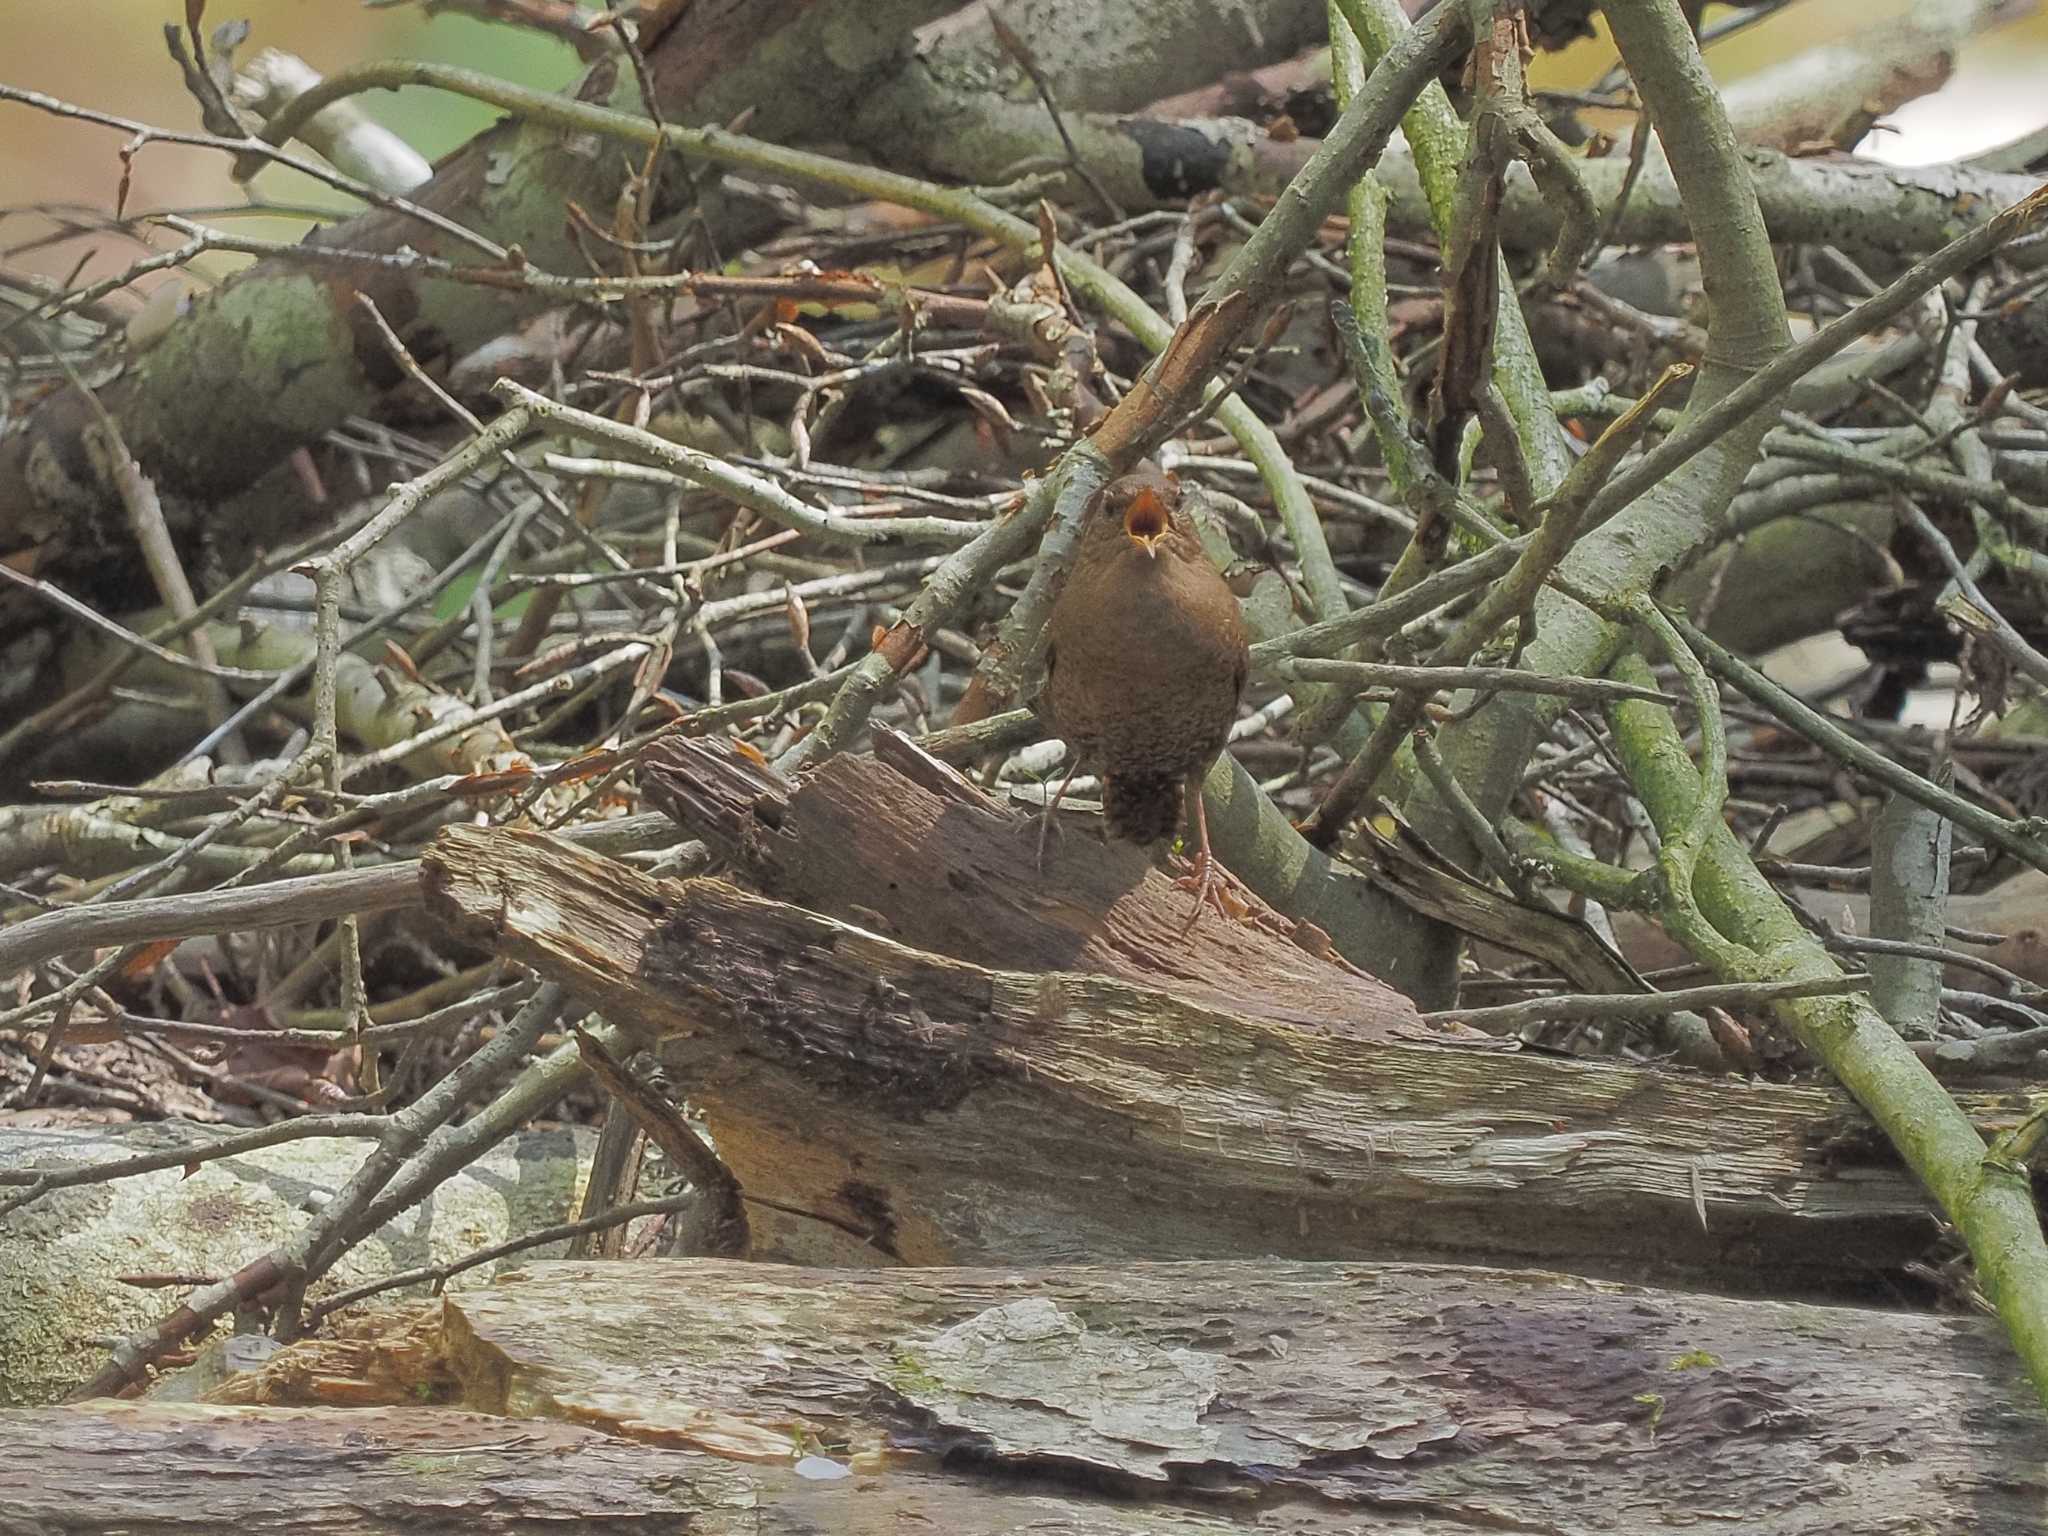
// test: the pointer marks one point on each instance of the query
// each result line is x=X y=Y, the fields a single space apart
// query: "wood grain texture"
x=930 y=861
x=1462 y=1399
x=957 y=1113
x=1292 y=1399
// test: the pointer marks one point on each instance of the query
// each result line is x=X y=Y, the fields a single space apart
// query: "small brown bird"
x=1145 y=664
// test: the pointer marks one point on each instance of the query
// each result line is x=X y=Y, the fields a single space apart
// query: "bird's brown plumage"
x=1147 y=657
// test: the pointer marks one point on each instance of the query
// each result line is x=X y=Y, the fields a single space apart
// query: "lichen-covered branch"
x=1757 y=938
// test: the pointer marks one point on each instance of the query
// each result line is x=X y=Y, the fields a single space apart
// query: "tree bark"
x=919 y=1106
x=717 y=1396
x=903 y=844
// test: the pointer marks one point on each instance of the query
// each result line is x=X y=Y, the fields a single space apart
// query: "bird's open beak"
x=1146 y=522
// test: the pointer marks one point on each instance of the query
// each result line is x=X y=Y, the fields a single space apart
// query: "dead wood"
x=952 y=1112
x=1290 y=1397
x=908 y=848
x=205 y=417
x=165 y=1468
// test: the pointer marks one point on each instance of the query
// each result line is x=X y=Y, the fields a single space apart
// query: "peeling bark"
x=928 y=1107
x=716 y=1396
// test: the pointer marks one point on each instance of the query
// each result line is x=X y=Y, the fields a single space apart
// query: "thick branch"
x=284 y=350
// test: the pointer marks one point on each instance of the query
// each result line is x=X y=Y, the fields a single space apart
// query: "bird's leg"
x=1045 y=822
x=1205 y=877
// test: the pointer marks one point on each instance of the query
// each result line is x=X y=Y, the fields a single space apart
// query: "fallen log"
x=901 y=1105
x=1180 y=1397
x=903 y=845
x=172 y=1468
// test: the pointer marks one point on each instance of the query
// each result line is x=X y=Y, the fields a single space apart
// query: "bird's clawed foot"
x=1213 y=885
x=1209 y=881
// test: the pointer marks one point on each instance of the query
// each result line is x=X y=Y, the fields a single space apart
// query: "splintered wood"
x=935 y=1059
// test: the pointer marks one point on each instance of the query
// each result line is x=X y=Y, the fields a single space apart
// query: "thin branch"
x=2021 y=839
x=1607 y=1007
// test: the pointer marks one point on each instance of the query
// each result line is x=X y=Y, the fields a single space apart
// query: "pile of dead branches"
x=631 y=542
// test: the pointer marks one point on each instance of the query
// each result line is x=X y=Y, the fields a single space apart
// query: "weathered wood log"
x=908 y=848
x=1288 y=1398
x=1484 y=1400
x=948 y=1112
x=171 y=1468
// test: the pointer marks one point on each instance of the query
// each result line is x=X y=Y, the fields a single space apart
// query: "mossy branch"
x=1755 y=937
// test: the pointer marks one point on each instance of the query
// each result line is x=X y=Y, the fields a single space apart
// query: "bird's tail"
x=1141 y=808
